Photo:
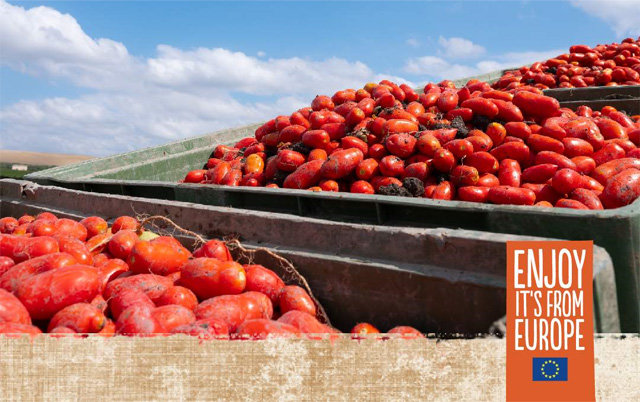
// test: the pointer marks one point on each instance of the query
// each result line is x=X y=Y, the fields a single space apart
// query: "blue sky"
x=104 y=77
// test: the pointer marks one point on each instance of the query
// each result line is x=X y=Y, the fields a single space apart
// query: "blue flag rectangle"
x=550 y=369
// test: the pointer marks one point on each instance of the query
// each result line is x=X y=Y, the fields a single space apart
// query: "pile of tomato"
x=61 y=276
x=475 y=143
x=583 y=66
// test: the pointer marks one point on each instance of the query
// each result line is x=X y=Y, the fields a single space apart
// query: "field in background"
x=16 y=164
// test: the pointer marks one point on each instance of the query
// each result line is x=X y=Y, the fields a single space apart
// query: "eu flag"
x=550 y=369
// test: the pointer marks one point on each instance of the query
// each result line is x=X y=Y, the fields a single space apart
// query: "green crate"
x=445 y=281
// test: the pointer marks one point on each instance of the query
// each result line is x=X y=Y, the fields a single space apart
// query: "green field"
x=7 y=172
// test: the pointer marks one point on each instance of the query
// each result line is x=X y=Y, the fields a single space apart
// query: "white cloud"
x=143 y=102
x=261 y=54
x=439 y=68
x=459 y=48
x=413 y=42
x=622 y=15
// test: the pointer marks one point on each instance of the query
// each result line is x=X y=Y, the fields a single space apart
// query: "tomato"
x=610 y=129
x=322 y=102
x=195 y=176
x=341 y=163
x=608 y=153
x=535 y=104
x=512 y=150
x=305 y=323
x=509 y=173
x=568 y=203
x=391 y=165
x=459 y=148
x=317 y=154
x=444 y=135
x=159 y=256
x=138 y=321
x=12 y=310
x=172 y=316
x=364 y=328
x=25 y=219
x=443 y=160
x=518 y=129
x=209 y=277
x=448 y=100
x=76 y=248
x=367 y=169
x=566 y=180
x=8 y=225
x=263 y=280
x=419 y=170
x=329 y=185
x=264 y=329
x=497 y=132
x=127 y=297
x=539 y=173
x=511 y=195
x=15 y=328
x=377 y=151
x=95 y=225
x=362 y=187
x=402 y=145
x=473 y=193
x=543 y=143
x=480 y=141
x=213 y=249
x=45 y=294
x=354 y=142
x=122 y=243
x=621 y=189
x=295 y=298
x=80 y=317
x=463 y=175
x=482 y=106
x=405 y=332
x=584 y=164
x=5 y=264
x=110 y=270
x=443 y=191
x=587 y=198
x=20 y=248
x=484 y=162
x=488 y=180
x=10 y=279
x=576 y=147
x=152 y=285
x=233 y=310
x=609 y=169
x=307 y=175
x=554 y=158
x=427 y=144
x=288 y=160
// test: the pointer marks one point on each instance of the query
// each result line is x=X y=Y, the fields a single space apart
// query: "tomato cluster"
x=69 y=277
x=474 y=143
x=583 y=66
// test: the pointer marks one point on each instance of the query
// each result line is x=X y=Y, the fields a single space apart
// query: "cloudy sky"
x=99 y=78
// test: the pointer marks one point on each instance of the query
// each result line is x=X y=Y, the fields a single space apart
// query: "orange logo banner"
x=550 y=321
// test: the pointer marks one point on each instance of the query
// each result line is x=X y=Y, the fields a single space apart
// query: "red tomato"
x=210 y=277
x=391 y=165
x=511 y=195
x=473 y=193
x=362 y=187
x=45 y=294
x=124 y=223
x=402 y=145
x=443 y=160
x=463 y=175
x=509 y=173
